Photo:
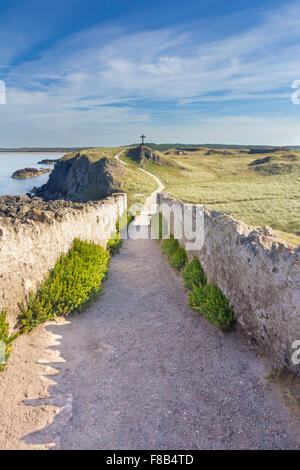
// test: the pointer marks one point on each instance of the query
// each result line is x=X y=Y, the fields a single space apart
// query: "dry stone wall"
x=32 y=239
x=259 y=273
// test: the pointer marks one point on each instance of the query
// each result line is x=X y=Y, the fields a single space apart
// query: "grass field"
x=137 y=185
x=263 y=193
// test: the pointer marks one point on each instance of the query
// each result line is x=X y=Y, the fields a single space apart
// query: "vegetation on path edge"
x=204 y=297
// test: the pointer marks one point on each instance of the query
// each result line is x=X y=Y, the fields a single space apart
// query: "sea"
x=10 y=162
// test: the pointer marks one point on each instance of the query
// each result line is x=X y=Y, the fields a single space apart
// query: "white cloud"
x=69 y=89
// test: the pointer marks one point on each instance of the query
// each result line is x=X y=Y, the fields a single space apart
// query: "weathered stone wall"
x=30 y=246
x=260 y=275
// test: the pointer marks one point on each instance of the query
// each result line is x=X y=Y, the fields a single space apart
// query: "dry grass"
x=96 y=153
x=137 y=185
x=266 y=193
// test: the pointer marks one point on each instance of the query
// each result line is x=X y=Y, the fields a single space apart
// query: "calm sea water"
x=10 y=162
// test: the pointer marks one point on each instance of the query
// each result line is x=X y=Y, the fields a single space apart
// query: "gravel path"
x=142 y=371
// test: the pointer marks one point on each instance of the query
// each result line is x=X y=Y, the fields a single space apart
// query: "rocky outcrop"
x=24 y=208
x=147 y=155
x=49 y=161
x=191 y=149
x=29 y=173
x=143 y=154
x=83 y=178
x=260 y=275
x=260 y=161
x=217 y=152
x=267 y=150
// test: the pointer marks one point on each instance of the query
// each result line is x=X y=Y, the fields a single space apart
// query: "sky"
x=100 y=72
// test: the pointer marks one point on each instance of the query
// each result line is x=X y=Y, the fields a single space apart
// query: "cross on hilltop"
x=142 y=137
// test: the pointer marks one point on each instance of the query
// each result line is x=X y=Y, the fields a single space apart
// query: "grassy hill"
x=257 y=185
x=138 y=156
x=92 y=174
x=234 y=181
x=95 y=154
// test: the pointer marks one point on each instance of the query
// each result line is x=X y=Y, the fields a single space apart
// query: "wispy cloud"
x=72 y=86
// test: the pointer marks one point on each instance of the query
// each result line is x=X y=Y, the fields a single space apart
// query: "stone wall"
x=30 y=245
x=260 y=275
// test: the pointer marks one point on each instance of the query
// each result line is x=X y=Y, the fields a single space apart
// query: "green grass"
x=6 y=339
x=177 y=255
x=96 y=153
x=210 y=302
x=73 y=283
x=169 y=246
x=137 y=185
x=178 y=258
x=205 y=298
x=131 y=157
x=114 y=245
x=268 y=196
x=194 y=275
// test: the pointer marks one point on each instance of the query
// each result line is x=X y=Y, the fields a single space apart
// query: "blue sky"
x=98 y=72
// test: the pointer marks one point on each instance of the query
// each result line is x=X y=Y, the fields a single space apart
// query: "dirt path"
x=140 y=370
x=143 y=371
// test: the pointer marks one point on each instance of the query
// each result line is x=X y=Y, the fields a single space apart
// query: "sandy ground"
x=139 y=370
x=27 y=376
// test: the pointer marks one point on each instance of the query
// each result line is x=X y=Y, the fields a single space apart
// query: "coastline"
x=32 y=151
x=14 y=161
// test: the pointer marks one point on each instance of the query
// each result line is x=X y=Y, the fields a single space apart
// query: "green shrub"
x=114 y=244
x=177 y=255
x=210 y=301
x=206 y=299
x=73 y=283
x=179 y=258
x=193 y=274
x=6 y=340
x=169 y=246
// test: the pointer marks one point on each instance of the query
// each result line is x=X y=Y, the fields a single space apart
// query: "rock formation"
x=49 y=161
x=24 y=208
x=29 y=173
x=143 y=154
x=267 y=150
x=83 y=177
